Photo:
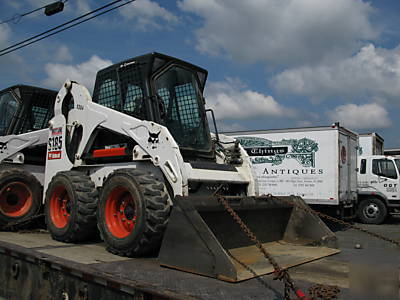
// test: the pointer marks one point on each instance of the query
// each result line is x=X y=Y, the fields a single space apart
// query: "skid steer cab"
x=24 y=115
x=138 y=162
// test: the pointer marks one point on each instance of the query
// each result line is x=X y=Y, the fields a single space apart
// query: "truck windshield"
x=8 y=108
x=183 y=109
x=397 y=164
x=384 y=167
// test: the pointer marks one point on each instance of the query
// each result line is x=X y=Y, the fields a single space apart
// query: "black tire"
x=76 y=195
x=372 y=211
x=20 y=196
x=148 y=209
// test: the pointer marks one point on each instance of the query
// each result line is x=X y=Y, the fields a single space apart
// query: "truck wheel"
x=20 y=196
x=71 y=203
x=133 y=212
x=372 y=211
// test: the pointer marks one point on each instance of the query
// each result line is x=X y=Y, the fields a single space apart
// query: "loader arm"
x=12 y=145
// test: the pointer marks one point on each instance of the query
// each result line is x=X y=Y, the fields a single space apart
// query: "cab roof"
x=154 y=61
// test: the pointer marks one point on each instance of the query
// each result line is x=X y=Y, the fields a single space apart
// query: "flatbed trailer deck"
x=33 y=266
x=36 y=267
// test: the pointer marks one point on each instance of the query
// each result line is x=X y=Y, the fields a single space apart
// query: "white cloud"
x=227 y=127
x=304 y=123
x=11 y=63
x=371 y=72
x=231 y=101
x=63 y=54
x=14 y=4
x=362 y=116
x=37 y=3
x=83 y=6
x=281 y=32
x=84 y=73
x=4 y=36
x=147 y=14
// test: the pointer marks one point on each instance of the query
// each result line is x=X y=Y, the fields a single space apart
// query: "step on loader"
x=24 y=115
x=137 y=161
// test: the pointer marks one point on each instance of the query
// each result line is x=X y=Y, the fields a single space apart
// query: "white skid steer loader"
x=24 y=115
x=139 y=163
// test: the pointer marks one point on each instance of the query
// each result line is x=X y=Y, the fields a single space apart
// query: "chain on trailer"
x=279 y=273
x=327 y=292
x=317 y=291
x=320 y=291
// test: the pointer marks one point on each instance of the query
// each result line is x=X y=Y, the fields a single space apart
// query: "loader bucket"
x=203 y=238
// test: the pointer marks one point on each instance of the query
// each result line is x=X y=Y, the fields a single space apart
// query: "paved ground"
x=359 y=269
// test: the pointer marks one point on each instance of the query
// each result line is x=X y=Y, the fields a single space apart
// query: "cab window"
x=122 y=90
x=397 y=163
x=182 y=105
x=107 y=93
x=8 y=108
x=363 y=166
x=133 y=101
x=384 y=167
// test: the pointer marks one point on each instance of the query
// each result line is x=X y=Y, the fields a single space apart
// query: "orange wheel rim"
x=15 y=199
x=60 y=207
x=120 y=212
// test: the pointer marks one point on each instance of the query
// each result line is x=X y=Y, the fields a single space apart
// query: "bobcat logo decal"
x=3 y=146
x=153 y=137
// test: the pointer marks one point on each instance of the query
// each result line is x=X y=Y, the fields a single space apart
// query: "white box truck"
x=370 y=144
x=378 y=188
x=317 y=163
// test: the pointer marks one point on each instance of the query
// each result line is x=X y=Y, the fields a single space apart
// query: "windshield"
x=8 y=107
x=183 y=109
x=397 y=164
x=384 y=167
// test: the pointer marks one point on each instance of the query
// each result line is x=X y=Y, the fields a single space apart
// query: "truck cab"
x=378 y=188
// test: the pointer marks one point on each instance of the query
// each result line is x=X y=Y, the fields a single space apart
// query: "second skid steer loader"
x=24 y=115
x=138 y=162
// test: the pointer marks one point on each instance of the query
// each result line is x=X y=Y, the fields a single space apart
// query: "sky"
x=272 y=63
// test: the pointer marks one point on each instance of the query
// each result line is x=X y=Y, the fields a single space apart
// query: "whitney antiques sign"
x=274 y=152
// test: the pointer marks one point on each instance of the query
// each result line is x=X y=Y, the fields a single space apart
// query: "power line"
x=59 y=26
x=17 y=17
x=44 y=34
